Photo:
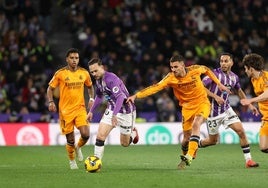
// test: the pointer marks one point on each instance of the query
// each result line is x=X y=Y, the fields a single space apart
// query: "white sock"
x=98 y=151
x=247 y=156
x=133 y=134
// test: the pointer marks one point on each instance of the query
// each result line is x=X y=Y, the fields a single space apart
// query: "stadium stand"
x=135 y=39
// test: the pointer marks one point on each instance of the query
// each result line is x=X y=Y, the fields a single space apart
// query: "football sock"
x=184 y=149
x=264 y=150
x=70 y=148
x=193 y=144
x=82 y=141
x=246 y=151
x=200 y=144
x=99 y=148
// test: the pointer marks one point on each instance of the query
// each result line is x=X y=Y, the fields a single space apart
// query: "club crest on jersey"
x=115 y=89
x=81 y=77
x=232 y=78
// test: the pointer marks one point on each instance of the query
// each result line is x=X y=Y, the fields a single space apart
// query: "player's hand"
x=131 y=99
x=224 y=88
x=90 y=116
x=90 y=103
x=52 y=107
x=114 y=121
x=254 y=110
x=245 y=102
x=219 y=100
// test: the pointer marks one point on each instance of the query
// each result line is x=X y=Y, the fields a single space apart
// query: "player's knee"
x=70 y=142
x=125 y=144
x=264 y=150
x=241 y=134
x=85 y=137
x=99 y=142
x=211 y=142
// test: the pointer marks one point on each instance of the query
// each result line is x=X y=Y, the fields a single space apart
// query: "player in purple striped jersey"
x=221 y=111
x=118 y=112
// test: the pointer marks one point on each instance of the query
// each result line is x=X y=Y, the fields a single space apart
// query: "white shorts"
x=225 y=119
x=126 y=122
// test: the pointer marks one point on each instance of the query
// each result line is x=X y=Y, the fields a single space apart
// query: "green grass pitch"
x=137 y=166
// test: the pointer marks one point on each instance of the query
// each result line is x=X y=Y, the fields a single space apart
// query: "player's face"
x=178 y=68
x=73 y=60
x=226 y=63
x=96 y=71
x=248 y=71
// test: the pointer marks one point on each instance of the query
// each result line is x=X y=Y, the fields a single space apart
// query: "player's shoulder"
x=265 y=73
x=81 y=69
x=110 y=75
x=194 y=67
x=61 y=70
x=169 y=75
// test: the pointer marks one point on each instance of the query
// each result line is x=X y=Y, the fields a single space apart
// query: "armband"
x=91 y=99
x=50 y=102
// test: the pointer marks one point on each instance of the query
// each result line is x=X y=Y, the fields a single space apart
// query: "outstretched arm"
x=96 y=103
x=242 y=95
x=262 y=97
x=148 y=91
x=217 y=98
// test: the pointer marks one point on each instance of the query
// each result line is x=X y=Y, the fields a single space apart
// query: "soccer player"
x=118 y=112
x=221 y=111
x=191 y=93
x=254 y=68
x=71 y=81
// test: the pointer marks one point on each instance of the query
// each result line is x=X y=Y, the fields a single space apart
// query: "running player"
x=71 y=80
x=254 y=68
x=221 y=111
x=118 y=112
x=192 y=96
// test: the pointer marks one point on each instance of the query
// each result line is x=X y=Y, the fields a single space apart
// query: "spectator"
x=127 y=27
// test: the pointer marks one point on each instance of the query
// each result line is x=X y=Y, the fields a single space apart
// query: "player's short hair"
x=71 y=50
x=176 y=57
x=229 y=54
x=95 y=60
x=254 y=60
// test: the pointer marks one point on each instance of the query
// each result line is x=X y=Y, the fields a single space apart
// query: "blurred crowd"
x=134 y=38
x=26 y=58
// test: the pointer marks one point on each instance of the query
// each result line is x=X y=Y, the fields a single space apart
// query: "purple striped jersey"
x=111 y=87
x=231 y=81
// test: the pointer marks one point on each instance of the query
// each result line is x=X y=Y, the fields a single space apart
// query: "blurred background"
x=134 y=38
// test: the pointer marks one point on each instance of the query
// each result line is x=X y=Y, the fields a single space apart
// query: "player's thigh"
x=82 y=123
x=124 y=139
x=126 y=122
x=84 y=130
x=187 y=134
x=214 y=123
x=263 y=142
x=66 y=126
x=213 y=138
x=104 y=130
x=238 y=128
x=264 y=135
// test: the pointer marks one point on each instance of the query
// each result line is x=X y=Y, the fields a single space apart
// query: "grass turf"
x=135 y=166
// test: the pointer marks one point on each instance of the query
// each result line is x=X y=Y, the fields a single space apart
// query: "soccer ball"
x=93 y=164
